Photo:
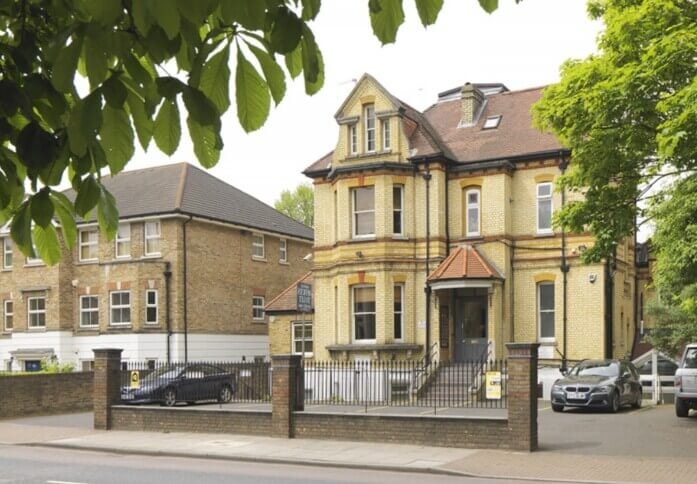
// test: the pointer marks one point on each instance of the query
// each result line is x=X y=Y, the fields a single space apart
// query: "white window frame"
x=369 y=128
x=400 y=210
x=294 y=339
x=283 y=250
x=113 y=306
x=547 y=339
x=492 y=122
x=34 y=261
x=90 y=245
x=544 y=198
x=398 y=287
x=386 y=135
x=36 y=312
x=149 y=305
x=256 y=245
x=8 y=315
x=354 y=212
x=89 y=310
x=258 y=303
x=478 y=207
x=354 y=313
x=122 y=240
x=152 y=236
x=353 y=139
x=6 y=252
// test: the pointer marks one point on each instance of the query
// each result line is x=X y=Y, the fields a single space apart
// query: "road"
x=36 y=465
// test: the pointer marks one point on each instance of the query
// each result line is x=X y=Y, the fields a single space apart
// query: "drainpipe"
x=609 y=270
x=512 y=247
x=168 y=277
x=427 y=179
x=186 y=306
x=564 y=270
x=447 y=213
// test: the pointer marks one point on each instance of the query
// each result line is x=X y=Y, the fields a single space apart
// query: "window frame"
x=354 y=212
x=397 y=286
x=540 y=338
x=468 y=206
x=90 y=245
x=294 y=340
x=36 y=312
x=260 y=307
x=5 y=327
x=492 y=122
x=369 y=130
x=400 y=188
x=283 y=251
x=120 y=306
x=255 y=245
x=544 y=198
x=89 y=310
x=386 y=132
x=122 y=240
x=34 y=260
x=154 y=306
x=354 y=313
x=353 y=139
x=148 y=237
x=7 y=247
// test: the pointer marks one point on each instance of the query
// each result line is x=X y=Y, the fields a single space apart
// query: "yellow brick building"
x=433 y=234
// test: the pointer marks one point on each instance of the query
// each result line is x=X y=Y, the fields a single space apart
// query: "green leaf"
x=215 y=80
x=169 y=87
x=205 y=143
x=87 y=196
x=273 y=73
x=41 y=208
x=167 y=127
x=313 y=65
x=141 y=16
x=196 y=11
x=95 y=63
x=114 y=92
x=286 y=30
x=107 y=213
x=310 y=9
x=142 y=122
x=200 y=107
x=167 y=17
x=105 y=12
x=117 y=138
x=66 y=218
x=294 y=62
x=248 y=13
x=47 y=244
x=252 y=95
x=85 y=121
x=21 y=228
x=36 y=148
x=489 y=5
x=387 y=20
x=66 y=64
x=428 y=11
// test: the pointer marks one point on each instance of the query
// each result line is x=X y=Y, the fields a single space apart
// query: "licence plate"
x=127 y=396
x=576 y=396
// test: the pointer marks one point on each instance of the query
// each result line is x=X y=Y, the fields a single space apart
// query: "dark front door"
x=470 y=328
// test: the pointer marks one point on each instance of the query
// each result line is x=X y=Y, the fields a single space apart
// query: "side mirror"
x=564 y=371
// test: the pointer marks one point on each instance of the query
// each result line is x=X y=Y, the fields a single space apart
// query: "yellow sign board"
x=493 y=385
x=135 y=379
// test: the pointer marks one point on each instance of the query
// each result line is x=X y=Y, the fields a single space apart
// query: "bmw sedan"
x=607 y=384
x=182 y=383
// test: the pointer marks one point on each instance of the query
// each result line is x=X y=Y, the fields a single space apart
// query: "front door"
x=471 y=339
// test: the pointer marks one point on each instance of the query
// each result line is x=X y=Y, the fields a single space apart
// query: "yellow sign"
x=135 y=379
x=493 y=385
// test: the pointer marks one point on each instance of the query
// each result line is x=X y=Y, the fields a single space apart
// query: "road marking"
x=65 y=482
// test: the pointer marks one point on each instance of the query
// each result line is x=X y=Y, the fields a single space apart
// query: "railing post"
x=522 y=395
x=284 y=395
x=107 y=385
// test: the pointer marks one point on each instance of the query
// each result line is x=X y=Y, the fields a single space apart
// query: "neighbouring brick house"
x=187 y=275
x=290 y=331
x=433 y=231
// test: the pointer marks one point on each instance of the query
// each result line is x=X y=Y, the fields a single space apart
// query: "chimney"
x=472 y=100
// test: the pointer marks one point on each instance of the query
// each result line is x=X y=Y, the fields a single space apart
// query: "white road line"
x=64 y=482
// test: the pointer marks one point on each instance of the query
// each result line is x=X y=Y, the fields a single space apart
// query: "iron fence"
x=177 y=382
x=481 y=384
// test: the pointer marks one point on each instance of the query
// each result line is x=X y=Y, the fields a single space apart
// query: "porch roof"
x=465 y=262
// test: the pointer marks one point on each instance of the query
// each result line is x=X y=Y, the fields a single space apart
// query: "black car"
x=607 y=384
x=182 y=383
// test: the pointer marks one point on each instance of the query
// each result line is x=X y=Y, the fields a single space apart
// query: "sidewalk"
x=543 y=465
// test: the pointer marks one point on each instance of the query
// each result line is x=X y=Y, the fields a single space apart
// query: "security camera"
x=308 y=257
x=74 y=282
x=592 y=278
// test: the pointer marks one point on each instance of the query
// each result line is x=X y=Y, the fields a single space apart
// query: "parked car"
x=607 y=384
x=686 y=382
x=182 y=383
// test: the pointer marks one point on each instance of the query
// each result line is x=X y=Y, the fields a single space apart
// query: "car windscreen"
x=596 y=368
x=690 y=358
x=163 y=373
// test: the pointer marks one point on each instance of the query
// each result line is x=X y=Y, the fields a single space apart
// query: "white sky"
x=520 y=45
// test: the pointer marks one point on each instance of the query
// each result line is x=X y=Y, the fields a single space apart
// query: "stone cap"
x=522 y=350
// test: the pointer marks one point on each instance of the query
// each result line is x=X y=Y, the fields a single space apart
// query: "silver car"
x=686 y=382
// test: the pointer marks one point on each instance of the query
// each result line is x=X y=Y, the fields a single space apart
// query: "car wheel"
x=225 y=394
x=614 y=403
x=681 y=408
x=169 y=397
x=557 y=408
x=637 y=403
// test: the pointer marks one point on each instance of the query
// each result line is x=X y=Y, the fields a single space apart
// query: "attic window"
x=492 y=122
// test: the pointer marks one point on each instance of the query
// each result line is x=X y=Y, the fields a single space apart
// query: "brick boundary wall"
x=45 y=394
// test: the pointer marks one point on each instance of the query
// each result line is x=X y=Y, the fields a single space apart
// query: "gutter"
x=564 y=270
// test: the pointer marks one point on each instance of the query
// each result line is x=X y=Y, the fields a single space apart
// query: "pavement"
x=549 y=464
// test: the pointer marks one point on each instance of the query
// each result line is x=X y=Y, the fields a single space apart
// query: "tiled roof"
x=185 y=189
x=464 y=263
x=287 y=300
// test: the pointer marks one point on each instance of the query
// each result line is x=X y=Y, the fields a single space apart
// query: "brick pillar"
x=107 y=385
x=285 y=392
x=522 y=395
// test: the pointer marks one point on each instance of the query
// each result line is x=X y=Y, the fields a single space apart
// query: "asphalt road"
x=29 y=465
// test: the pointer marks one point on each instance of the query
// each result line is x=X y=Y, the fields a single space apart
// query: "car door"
x=189 y=384
x=624 y=383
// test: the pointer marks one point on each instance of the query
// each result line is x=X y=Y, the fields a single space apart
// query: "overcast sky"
x=520 y=45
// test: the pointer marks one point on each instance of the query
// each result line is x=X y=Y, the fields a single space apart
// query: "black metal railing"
x=174 y=383
x=480 y=384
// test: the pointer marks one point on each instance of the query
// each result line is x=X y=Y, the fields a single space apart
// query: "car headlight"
x=557 y=388
x=603 y=389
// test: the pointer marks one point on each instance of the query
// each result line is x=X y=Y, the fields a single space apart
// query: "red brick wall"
x=27 y=395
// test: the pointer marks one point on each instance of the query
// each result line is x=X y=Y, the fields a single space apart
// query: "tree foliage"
x=298 y=204
x=143 y=61
x=628 y=113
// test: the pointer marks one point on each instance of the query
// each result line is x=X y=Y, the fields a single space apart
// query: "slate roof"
x=464 y=263
x=287 y=301
x=185 y=189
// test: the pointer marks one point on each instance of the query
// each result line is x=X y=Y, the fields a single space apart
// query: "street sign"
x=493 y=385
x=135 y=379
x=304 y=297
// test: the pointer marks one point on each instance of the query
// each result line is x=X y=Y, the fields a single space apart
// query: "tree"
x=52 y=124
x=628 y=114
x=298 y=204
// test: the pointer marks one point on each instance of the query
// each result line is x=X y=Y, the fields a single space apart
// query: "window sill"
x=259 y=259
x=400 y=237
x=363 y=238
x=543 y=235
x=88 y=329
x=6 y=269
x=36 y=330
x=34 y=265
x=87 y=262
x=284 y=263
x=258 y=321
x=123 y=258
x=474 y=237
x=120 y=326
x=151 y=256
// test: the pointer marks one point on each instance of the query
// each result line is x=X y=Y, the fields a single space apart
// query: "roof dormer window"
x=369 y=125
x=492 y=122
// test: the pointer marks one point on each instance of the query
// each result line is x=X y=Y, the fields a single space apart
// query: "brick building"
x=433 y=231
x=187 y=275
